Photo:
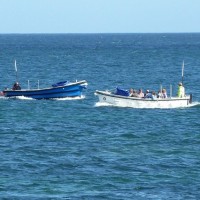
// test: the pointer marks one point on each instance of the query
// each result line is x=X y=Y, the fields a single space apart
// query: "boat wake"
x=102 y=104
x=17 y=98
x=69 y=98
x=21 y=98
x=2 y=97
x=54 y=99
x=194 y=104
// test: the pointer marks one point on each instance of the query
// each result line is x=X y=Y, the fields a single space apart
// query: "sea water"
x=79 y=149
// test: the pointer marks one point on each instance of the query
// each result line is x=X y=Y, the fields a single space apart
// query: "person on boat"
x=140 y=93
x=16 y=86
x=1 y=93
x=164 y=93
x=131 y=92
x=160 y=95
x=134 y=93
x=154 y=96
x=181 y=90
x=148 y=94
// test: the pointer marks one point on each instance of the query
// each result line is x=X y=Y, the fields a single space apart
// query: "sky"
x=99 y=16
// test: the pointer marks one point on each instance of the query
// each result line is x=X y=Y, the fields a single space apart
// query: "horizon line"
x=51 y=33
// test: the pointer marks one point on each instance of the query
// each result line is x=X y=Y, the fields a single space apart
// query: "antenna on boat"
x=16 y=71
x=170 y=90
x=182 y=71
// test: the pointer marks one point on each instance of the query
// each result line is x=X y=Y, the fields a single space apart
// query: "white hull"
x=133 y=102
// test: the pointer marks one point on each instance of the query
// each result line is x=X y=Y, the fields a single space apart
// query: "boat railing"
x=38 y=85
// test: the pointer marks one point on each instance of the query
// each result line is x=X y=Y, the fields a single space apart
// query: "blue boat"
x=58 y=90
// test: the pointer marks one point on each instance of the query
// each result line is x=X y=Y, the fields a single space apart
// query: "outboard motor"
x=190 y=99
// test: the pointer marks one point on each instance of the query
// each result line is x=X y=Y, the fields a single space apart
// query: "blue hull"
x=68 y=90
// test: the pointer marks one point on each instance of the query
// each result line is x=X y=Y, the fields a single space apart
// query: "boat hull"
x=133 y=102
x=68 y=90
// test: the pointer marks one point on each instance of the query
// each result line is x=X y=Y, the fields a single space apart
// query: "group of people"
x=134 y=93
x=153 y=95
x=161 y=94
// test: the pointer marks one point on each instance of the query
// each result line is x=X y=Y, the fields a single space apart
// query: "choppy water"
x=76 y=149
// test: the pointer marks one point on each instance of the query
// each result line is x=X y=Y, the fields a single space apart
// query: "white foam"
x=194 y=104
x=69 y=98
x=22 y=98
x=100 y=104
x=56 y=99
x=2 y=97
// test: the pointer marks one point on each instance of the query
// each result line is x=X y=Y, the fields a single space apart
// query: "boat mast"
x=182 y=71
x=16 y=71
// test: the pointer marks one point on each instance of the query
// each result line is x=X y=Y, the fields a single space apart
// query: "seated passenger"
x=140 y=93
x=148 y=94
x=16 y=86
x=134 y=94
x=159 y=95
x=154 y=96
x=164 y=93
x=131 y=92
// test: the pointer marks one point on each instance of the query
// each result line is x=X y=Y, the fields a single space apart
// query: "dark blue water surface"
x=74 y=149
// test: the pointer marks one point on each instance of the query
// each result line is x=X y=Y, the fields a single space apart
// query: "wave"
x=69 y=98
x=21 y=98
x=18 y=98
x=2 y=97
x=54 y=99
x=194 y=104
x=100 y=104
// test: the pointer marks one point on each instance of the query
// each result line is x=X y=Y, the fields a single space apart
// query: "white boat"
x=111 y=98
x=122 y=98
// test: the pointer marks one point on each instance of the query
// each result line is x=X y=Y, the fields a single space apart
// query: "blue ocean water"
x=75 y=149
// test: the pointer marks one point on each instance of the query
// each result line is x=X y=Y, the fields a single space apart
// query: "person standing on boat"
x=181 y=90
x=16 y=86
